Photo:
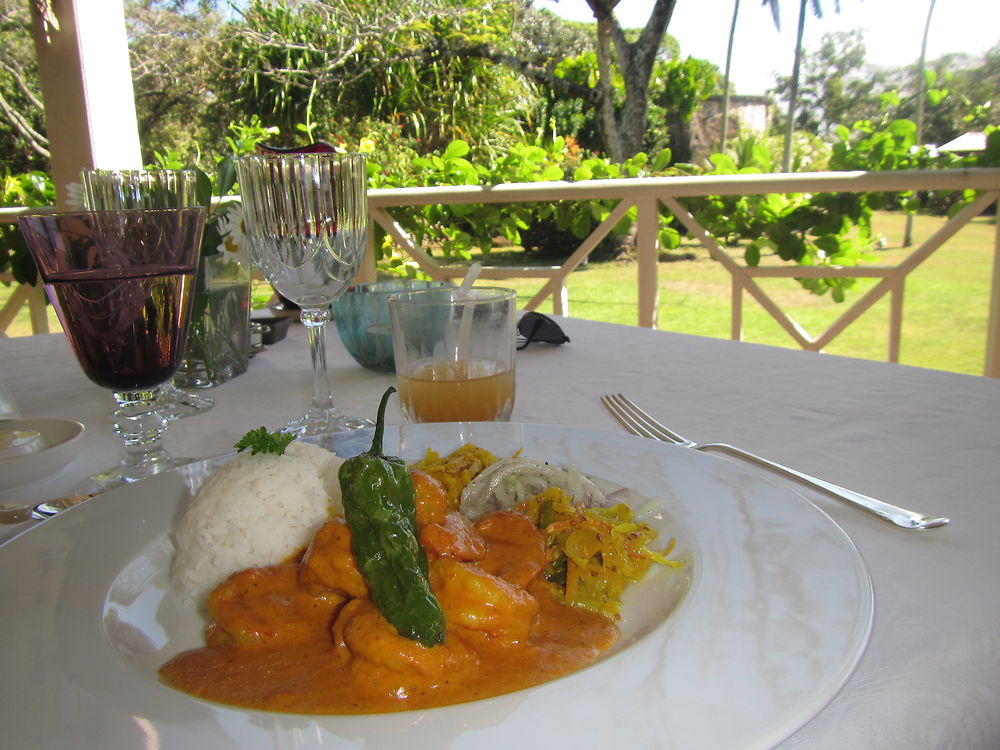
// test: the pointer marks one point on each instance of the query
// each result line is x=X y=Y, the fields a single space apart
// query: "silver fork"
x=642 y=424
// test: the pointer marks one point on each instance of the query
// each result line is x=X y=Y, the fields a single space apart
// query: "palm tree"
x=793 y=91
x=776 y=14
x=921 y=98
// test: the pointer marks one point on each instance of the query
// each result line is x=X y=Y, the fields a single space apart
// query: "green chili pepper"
x=380 y=508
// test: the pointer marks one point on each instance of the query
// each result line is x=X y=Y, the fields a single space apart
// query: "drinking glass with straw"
x=454 y=351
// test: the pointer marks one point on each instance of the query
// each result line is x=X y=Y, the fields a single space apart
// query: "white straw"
x=465 y=327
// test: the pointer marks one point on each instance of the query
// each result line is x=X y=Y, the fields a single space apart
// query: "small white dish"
x=59 y=437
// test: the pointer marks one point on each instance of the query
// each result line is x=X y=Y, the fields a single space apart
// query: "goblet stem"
x=315 y=320
x=141 y=427
x=322 y=416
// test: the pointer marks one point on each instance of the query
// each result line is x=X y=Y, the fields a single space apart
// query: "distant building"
x=746 y=113
x=966 y=143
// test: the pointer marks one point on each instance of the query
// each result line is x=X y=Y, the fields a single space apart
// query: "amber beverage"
x=457 y=392
x=454 y=352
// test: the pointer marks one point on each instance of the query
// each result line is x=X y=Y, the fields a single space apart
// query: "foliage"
x=455 y=92
x=820 y=229
x=677 y=89
x=172 y=48
x=223 y=231
x=262 y=441
x=812 y=230
x=310 y=67
x=839 y=87
x=29 y=189
x=829 y=229
x=815 y=230
x=489 y=73
x=22 y=133
x=833 y=85
x=546 y=39
x=961 y=94
x=682 y=85
x=453 y=231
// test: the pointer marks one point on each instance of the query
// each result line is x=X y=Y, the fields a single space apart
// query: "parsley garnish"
x=262 y=441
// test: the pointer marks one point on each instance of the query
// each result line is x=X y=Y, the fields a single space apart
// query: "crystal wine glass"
x=306 y=218
x=118 y=189
x=121 y=283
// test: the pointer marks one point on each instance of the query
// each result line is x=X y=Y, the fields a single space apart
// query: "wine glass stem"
x=315 y=320
x=140 y=427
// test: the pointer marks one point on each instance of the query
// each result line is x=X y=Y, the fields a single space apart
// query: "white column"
x=86 y=82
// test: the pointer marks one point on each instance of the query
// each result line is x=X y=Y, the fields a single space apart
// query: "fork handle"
x=907 y=519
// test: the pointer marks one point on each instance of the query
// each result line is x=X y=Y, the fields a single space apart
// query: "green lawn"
x=945 y=307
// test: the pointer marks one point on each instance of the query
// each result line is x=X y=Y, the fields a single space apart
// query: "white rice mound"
x=256 y=510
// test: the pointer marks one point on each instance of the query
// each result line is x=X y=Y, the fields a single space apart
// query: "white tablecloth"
x=920 y=438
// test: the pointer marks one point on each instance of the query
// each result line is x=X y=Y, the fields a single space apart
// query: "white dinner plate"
x=760 y=630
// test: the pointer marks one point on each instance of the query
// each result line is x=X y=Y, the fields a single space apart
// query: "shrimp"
x=454 y=537
x=516 y=549
x=329 y=563
x=380 y=653
x=430 y=497
x=265 y=606
x=477 y=601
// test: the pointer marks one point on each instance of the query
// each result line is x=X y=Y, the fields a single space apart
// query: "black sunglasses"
x=536 y=327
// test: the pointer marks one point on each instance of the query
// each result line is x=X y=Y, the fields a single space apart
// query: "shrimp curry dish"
x=408 y=600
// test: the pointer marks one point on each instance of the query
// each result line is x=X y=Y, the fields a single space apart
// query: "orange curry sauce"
x=306 y=637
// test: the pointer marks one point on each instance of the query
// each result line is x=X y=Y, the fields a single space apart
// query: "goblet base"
x=119 y=476
x=173 y=403
x=322 y=421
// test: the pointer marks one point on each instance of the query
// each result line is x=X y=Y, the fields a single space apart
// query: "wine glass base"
x=174 y=403
x=116 y=476
x=322 y=421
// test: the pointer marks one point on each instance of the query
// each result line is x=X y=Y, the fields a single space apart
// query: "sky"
x=893 y=30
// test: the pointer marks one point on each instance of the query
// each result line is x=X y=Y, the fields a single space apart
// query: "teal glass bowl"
x=361 y=315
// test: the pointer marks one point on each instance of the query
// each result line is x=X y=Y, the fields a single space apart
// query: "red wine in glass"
x=122 y=189
x=125 y=330
x=121 y=283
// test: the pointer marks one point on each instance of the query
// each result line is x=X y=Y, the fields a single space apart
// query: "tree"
x=326 y=64
x=836 y=87
x=559 y=48
x=677 y=89
x=426 y=65
x=921 y=101
x=726 y=88
x=22 y=122
x=623 y=131
x=172 y=49
x=171 y=52
x=786 y=159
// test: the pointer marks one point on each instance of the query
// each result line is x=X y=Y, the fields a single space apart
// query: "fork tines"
x=635 y=420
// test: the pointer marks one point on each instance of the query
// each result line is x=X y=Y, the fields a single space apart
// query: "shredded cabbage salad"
x=595 y=546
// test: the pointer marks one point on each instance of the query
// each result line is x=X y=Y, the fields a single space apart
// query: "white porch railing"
x=23 y=294
x=647 y=194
